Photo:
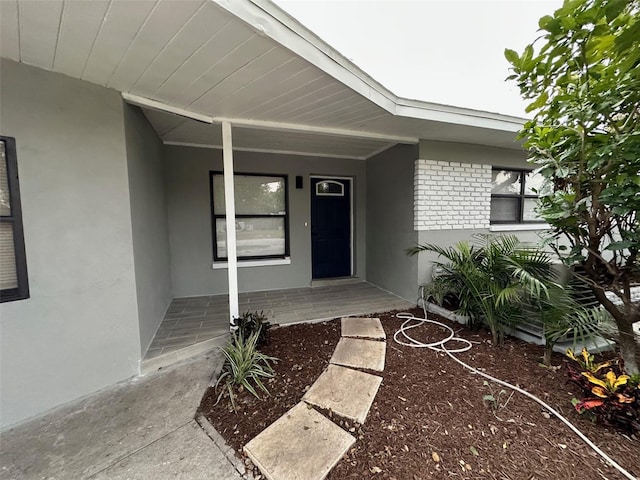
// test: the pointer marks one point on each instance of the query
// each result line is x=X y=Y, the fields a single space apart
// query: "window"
x=13 y=264
x=514 y=196
x=329 y=188
x=262 y=216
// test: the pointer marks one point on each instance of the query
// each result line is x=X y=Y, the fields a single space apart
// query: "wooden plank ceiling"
x=195 y=55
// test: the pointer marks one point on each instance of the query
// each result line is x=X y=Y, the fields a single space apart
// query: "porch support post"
x=230 y=211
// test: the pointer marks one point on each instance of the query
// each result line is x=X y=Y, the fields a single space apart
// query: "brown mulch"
x=429 y=419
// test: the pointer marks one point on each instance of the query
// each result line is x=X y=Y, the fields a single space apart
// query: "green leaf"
x=615 y=246
x=512 y=57
x=540 y=102
x=629 y=37
x=615 y=8
x=527 y=55
x=544 y=22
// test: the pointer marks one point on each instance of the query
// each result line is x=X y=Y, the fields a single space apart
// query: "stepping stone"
x=300 y=445
x=347 y=392
x=362 y=327
x=352 y=352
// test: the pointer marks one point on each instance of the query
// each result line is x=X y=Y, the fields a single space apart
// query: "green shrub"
x=491 y=278
x=564 y=318
x=244 y=368
x=251 y=322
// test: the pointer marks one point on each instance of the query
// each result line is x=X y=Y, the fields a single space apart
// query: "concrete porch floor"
x=193 y=325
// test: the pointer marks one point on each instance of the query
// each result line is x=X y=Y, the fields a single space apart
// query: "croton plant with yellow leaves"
x=609 y=394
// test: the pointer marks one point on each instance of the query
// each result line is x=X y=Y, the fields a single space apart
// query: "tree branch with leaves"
x=582 y=76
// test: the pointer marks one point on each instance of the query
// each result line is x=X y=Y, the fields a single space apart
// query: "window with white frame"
x=514 y=196
x=14 y=283
x=262 y=216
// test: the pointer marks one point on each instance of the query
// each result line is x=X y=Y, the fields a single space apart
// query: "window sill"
x=512 y=227
x=254 y=263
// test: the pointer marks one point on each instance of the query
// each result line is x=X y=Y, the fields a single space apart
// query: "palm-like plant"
x=563 y=316
x=492 y=277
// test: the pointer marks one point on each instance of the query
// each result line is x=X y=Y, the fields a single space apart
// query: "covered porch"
x=194 y=325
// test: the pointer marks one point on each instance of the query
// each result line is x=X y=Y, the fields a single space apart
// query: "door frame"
x=351 y=216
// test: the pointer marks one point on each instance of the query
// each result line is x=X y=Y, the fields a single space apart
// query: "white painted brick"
x=451 y=195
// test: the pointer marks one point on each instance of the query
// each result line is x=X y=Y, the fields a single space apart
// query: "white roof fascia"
x=272 y=21
x=450 y=114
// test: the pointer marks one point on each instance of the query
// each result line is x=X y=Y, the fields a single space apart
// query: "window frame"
x=21 y=292
x=519 y=196
x=214 y=217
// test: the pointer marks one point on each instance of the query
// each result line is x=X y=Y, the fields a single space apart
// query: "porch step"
x=161 y=361
x=327 y=282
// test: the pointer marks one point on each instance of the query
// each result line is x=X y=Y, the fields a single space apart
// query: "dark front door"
x=330 y=227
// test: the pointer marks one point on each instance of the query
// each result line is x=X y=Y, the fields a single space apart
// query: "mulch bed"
x=429 y=419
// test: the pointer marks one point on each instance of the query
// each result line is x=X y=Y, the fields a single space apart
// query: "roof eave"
x=272 y=21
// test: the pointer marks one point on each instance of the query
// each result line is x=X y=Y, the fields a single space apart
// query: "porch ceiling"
x=177 y=130
x=245 y=61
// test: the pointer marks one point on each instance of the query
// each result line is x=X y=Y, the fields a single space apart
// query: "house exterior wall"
x=189 y=213
x=77 y=332
x=452 y=196
x=390 y=229
x=150 y=231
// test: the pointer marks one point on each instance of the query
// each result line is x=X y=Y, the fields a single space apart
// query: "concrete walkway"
x=145 y=429
x=304 y=444
x=140 y=429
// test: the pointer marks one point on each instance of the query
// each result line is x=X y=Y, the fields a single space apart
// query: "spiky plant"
x=244 y=367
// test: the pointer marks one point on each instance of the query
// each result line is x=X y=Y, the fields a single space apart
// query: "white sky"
x=443 y=51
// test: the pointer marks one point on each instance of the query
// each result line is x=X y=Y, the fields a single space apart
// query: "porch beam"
x=265 y=125
x=230 y=212
x=164 y=107
x=335 y=132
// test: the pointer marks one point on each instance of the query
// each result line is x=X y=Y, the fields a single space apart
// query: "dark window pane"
x=505 y=209
x=5 y=201
x=330 y=187
x=14 y=284
x=8 y=270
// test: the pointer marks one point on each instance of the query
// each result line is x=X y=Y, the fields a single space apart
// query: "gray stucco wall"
x=149 y=223
x=189 y=213
x=390 y=221
x=467 y=153
x=78 y=332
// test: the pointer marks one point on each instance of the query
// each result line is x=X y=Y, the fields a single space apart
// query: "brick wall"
x=451 y=195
